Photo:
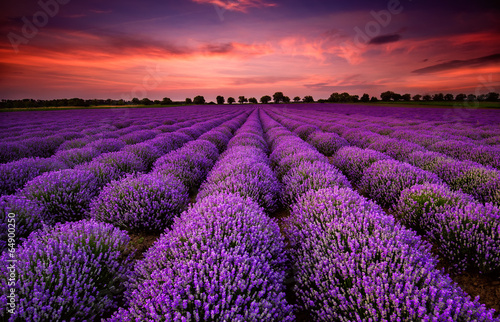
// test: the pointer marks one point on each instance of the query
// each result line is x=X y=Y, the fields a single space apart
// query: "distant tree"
x=199 y=100
x=166 y=101
x=426 y=97
x=355 y=98
x=397 y=97
x=321 y=100
x=460 y=97
x=136 y=101
x=334 y=98
x=417 y=97
x=253 y=100
x=492 y=97
x=231 y=100
x=286 y=99
x=296 y=99
x=387 y=96
x=448 y=97
x=189 y=101
x=278 y=97
x=120 y=102
x=265 y=99
x=406 y=97
x=482 y=97
x=308 y=99
x=345 y=97
x=220 y=100
x=438 y=97
x=373 y=99
x=211 y=103
x=365 y=98
x=157 y=102
x=471 y=97
x=242 y=99
x=146 y=101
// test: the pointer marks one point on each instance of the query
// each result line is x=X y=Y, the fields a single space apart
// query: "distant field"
x=295 y=212
x=457 y=105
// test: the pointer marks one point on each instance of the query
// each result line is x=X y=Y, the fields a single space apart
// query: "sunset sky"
x=178 y=49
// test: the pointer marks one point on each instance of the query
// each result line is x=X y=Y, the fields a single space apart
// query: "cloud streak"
x=384 y=39
x=237 y=5
x=458 y=64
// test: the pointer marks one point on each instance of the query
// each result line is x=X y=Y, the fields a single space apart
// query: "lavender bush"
x=14 y=175
x=310 y=176
x=417 y=204
x=75 y=157
x=65 y=195
x=27 y=218
x=353 y=161
x=141 y=203
x=384 y=180
x=72 y=272
x=222 y=260
x=326 y=143
x=123 y=161
x=353 y=263
x=469 y=237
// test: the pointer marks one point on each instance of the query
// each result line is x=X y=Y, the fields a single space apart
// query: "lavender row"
x=351 y=258
x=66 y=195
x=44 y=143
x=71 y=272
x=468 y=239
x=456 y=146
x=149 y=202
x=53 y=285
x=482 y=182
x=223 y=259
x=15 y=175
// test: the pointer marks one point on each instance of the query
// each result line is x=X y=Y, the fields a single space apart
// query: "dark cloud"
x=455 y=64
x=384 y=39
x=219 y=48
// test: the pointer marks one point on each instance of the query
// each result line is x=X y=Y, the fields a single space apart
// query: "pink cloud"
x=237 y=5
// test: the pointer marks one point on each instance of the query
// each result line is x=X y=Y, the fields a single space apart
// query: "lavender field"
x=288 y=212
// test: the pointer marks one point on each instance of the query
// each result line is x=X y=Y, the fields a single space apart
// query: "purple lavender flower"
x=65 y=195
x=107 y=145
x=75 y=157
x=222 y=260
x=124 y=162
x=146 y=152
x=74 y=271
x=14 y=175
x=303 y=131
x=138 y=136
x=353 y=263
x=141 y=203
x=248 y=179
x=74 y=144
x=248 y=139
x=417 y=204
x=469 y=236
x=307 y=176
x=477 y=180
x=353 y=161
x=217 y=137
x=27 y=218
x=384 y=180
x=12 y=151
x=397 y=149
x=326 y=143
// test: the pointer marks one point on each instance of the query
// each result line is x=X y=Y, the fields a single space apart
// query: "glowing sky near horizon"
x=178 y=49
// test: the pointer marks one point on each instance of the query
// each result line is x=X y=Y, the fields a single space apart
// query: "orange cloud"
x=237 y=5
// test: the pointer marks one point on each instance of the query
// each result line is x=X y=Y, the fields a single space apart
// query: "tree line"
x=277 y=98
